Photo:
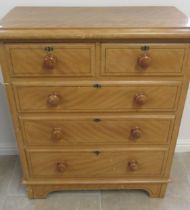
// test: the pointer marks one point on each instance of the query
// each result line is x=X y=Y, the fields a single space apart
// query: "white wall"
x=7 y=139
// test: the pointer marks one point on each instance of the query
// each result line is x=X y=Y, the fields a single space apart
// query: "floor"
x=13 y=196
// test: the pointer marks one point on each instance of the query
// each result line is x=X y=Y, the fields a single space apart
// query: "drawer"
x=96 y=164
x=52 y=59
x=137 y=59
x=107 y=96
x=97 y=130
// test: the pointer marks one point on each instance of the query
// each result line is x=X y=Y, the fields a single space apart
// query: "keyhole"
x=97 y=85
x=97 y=152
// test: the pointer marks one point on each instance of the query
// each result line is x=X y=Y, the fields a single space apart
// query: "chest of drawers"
x=96 y=95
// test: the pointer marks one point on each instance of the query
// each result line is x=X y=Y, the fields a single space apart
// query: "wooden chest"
x=96 y=95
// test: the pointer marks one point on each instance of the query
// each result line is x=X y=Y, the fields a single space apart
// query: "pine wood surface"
x=28 y=60
x=81 y=17
x=107 y=98
x=95 y=164
x=96 y=102
x=132 y=22
x=69 y=131
x=165 y=59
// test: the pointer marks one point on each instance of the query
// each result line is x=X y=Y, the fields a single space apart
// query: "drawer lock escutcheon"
x=97 y=85
x=145 y=48
x=97 y=152
x=97 y=120
x=48 y=49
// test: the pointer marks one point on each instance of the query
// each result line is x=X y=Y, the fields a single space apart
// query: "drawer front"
x=96 y=164
x=129 y=96
x=52 y=59
x=97 y=130
x=126 y=59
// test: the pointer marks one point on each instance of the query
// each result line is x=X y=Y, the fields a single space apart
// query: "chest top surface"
x=91 y=22
x=94 y=17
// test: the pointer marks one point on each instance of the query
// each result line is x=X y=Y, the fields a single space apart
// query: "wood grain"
x=98 y=164
x=41 y=191
x=28 y=23
x=71 y=59
x=96 y=95
x=165 y=59
x=89 y=131
x=89 y=17
x=108 y=97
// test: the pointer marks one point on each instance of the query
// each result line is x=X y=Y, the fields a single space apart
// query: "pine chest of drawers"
x=96 y=95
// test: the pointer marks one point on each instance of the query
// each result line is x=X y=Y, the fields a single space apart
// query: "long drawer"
x=104 y=96
x=139 y=59
x=47 y=60
x=96 y=164
x=97 y=130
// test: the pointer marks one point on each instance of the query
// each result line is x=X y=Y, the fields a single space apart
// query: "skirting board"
x=8 y=150
x=183 y=145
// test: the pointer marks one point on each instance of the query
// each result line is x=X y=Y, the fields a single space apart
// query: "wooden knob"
x=136 y=133
x=53 y=99
x=50 y=61
x=61 y=166
x=144 y=61
x=140 y=99
x=57 y=134
x=133 y=165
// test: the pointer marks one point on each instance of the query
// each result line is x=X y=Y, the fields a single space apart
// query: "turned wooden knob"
x=61 y=166
x=50 y=61
x=133 y=165
x=140 y=99
x=144 y=61
x=57 y=134
x=136 y=133
x=53 y=99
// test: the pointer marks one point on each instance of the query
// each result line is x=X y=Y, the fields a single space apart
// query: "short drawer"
x=97 y=130
x=105 y=96
x=138 y=59
x=67 y=60
x=96 y=164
